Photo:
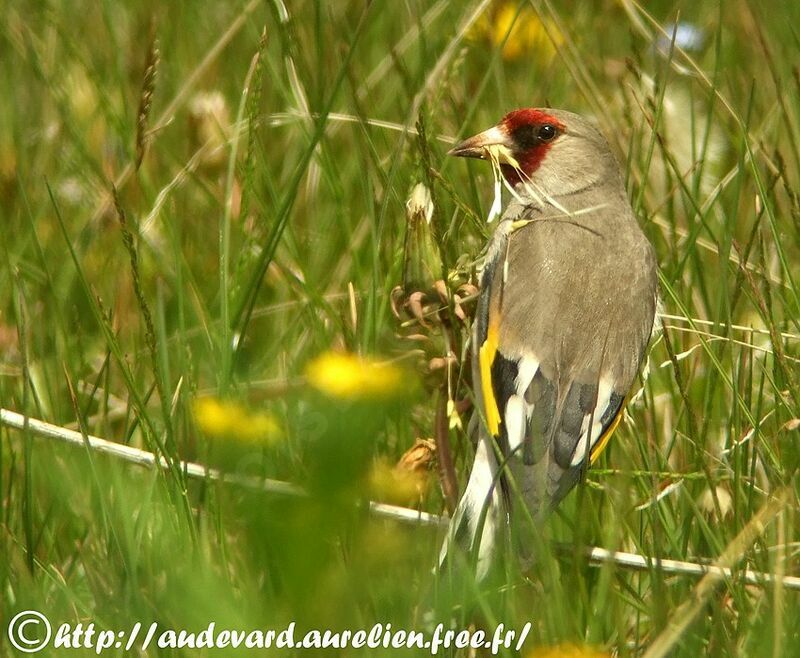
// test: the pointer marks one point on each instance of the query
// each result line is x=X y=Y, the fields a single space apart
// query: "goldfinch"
x=568 y=295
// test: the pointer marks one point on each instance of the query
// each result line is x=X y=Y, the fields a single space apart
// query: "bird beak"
x=475 y=147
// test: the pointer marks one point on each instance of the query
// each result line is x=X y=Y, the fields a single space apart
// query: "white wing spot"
x=604 y=391
x=580 y=454
x=516 y=421
x=527 y=367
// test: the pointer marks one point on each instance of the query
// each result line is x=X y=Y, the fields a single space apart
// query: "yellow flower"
x=568 y=650
x=527 y=35
x=226 y=419
x=351 y=377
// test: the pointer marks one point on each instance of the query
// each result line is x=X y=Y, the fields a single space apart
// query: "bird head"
x=558 y=151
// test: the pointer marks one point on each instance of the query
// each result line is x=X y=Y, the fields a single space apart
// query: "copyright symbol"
x=25 y=629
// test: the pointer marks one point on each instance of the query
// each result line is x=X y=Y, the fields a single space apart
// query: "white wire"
x=595 y=554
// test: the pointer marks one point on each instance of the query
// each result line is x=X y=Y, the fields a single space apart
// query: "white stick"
x=642 y=563
x=194 y=470
x=403 y=514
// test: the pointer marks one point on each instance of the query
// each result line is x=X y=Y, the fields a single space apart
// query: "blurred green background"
x=235 y=307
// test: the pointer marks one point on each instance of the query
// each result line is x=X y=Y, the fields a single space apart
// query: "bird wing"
x=563 y=322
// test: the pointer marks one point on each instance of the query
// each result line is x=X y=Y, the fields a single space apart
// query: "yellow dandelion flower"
x=212 y=416
x=568 y=650
x=226 y=419
x=528 y=35
x=351 y=377
x=257 y=426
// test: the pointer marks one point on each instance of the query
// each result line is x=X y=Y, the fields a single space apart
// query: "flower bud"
x=421 y=263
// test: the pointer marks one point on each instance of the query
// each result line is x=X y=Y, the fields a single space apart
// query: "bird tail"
x=476 y=522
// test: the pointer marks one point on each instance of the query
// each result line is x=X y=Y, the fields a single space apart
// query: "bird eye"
x=547 y=132
x=531 y=135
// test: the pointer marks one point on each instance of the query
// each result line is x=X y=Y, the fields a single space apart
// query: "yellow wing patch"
x=486 y=356
x=602 y=442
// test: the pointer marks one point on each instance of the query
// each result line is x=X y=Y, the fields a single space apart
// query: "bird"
x=567 y=304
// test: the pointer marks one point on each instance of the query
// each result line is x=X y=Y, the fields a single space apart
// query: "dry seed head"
x=210 y=120
x=791 y=425
x=146 y=99
x=708 y=507
x=419 y=457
